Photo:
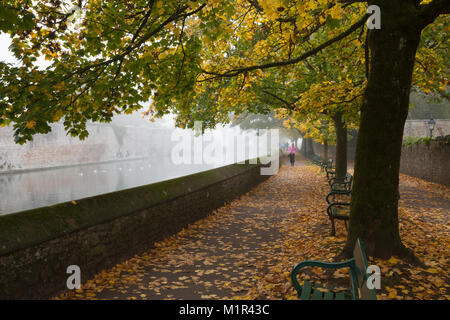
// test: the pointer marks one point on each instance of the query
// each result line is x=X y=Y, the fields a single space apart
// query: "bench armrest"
x=312 y=263
x=333 y=192
x=336 y=204
x=336 y=180
x=338 y=186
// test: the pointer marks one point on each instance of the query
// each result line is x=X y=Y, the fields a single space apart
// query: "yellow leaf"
x=393 y=260
x=31 y=124
x=392 y=294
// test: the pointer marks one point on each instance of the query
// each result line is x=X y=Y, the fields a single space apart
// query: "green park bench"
x=331 y=173
x=358 y=277
x=317 y=160
x=338 y=209
x=327 y=164
x=343 y=184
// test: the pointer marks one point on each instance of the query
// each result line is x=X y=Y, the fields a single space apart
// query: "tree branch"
x=430 y=11
x=235 y=72
x=350 y=2
x=174 y=17
x=136 y=34
x=277 y=97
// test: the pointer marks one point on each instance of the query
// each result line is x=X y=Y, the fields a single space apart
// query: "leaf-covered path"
x=247 y=248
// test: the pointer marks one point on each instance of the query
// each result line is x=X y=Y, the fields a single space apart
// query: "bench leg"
x=333 y=230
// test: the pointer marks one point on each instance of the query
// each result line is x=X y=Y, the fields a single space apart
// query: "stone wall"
x=429 y=161
x=419 y=128
x=37 y=246
x=413 y=128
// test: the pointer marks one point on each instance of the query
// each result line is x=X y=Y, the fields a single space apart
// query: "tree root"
x=400 y=251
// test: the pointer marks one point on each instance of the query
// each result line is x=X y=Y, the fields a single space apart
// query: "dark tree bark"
x=307 y=147
x=375 y=194
x=325 y=150
x=310 y=144
x=341 y=145
x=303 y=147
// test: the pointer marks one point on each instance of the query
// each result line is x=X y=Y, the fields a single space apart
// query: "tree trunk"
x=310 y=143
x=307 y=147
x=341 y=145
x=375 y=194
x=303 y=147
x=325 y=150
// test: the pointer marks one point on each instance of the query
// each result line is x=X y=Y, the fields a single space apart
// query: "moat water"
x=33 y=189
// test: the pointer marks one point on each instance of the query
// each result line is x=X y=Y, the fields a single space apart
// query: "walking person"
x=292 y=151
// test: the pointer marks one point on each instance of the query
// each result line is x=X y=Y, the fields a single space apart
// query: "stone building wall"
x=104 y=143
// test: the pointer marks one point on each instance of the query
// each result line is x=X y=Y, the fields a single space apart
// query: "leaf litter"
x=247 y=248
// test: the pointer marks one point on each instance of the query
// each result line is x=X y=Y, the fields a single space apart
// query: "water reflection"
x=33 y=189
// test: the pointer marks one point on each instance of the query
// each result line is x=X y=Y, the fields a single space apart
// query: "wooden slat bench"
x=358 y=277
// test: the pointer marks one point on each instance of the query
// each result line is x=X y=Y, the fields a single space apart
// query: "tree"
x=334 y=100
x=248 y=121
x=320 y=131
x=391 y=56
x=106 y=57
x=185 y=53
x=374 y=205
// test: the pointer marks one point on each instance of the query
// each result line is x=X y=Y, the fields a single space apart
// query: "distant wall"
x=419 y=128
x=37 y=246
x=430 y=161
x=104 y=143
x=413 y=128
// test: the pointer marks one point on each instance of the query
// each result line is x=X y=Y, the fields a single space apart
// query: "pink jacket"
x=292 y=149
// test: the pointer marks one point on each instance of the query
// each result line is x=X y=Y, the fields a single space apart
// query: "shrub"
x=410 y=141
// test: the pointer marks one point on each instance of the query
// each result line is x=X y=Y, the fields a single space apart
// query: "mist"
x=129 y=151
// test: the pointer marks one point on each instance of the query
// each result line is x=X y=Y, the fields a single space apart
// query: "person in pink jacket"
x=292 y=151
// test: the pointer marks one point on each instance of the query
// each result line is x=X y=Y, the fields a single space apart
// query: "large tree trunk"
x=341 y=145
x=375 y=194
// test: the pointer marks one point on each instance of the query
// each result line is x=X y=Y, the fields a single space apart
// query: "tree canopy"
x=198 y=59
